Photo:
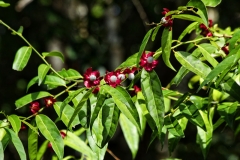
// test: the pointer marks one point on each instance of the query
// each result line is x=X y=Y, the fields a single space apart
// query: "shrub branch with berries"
x=132 y=95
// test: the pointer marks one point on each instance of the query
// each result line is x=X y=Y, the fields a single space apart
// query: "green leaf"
x=85 y=114
x=21 y=58
x=188 y=30
x=50 y=131
x=172 y=142
x=70 y=74
x=130 y=133
x=42 y=72
x=42 y=150
x=20 y=30
x=143 y=46
x=208 y=56
x=173 y=126
x=202 y=11
x=99 y=152
x=32 y=142
x=54 y=80
x=192 y=63
x=234 y=39
x=17 y=143
x=142 y=109
x=226 y=64
x=130 y=62
x=179 y=76
x=66 y=114
x=204 y=138
x=124 y=102
x=232 y=88
x=80 y=105
x=3 y=4
x=188 y=17
x=212 y=3
x=152 y=91
x=32 y=82
x=1 y=151
x=15 y=122
x=228 y=113
x=155 y=32
x=31 y=97
x=76 y=143
x=54 y=53
x=166 y=44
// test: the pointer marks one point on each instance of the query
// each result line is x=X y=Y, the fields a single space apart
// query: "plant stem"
x=21 y=36
x=112 y=154
x=65 y=90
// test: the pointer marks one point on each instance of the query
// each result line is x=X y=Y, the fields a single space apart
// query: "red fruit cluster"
x=166 y=21
x=205 y=30
x=147 y=61
x=225 y=48
x=35 y=106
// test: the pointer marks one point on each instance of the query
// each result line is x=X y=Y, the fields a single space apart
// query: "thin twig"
x=141 y=13
x=112 y=154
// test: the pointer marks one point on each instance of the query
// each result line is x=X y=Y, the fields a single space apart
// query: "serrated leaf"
x=31 y=97
x=202 y=11
x=54 y=53
x=152 y=91
x=21 y=58
x=166 y=43
x=42 y=150
x=50 y=131
x=208 y=56
x=42 y=72
x=124 y=102
x=193 y=64
x=66 y=114
x=76 y=143
x=32 y=142
x=17 y=143
x=226 y=64
x=143 y=46
x=188 y=30
x=212 y=3
x=130 y=133
x=188 y=17
x=15 y=122
x=155 y=32
x=3 y=4
x=80 y=105
x=99 y=152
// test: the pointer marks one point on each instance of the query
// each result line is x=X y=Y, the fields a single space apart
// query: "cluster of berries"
x=205 y=30
x=166 y=21
x=35 y=106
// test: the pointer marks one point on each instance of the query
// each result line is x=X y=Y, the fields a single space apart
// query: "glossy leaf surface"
x=21 y=58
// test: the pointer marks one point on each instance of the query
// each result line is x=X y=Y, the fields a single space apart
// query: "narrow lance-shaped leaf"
x=124 y=103
x=208 y=56
x=32 y=142
x=80 y=105
x=33 y=81
x=155 y=32
x=70 y=74
x=232 y=88
x=212 y=3
x=187 y=30
x=188 y=17
x=42 y=150
x=15 y=122
x=143 y=46
x=50 y=131
x=54 y=53
x=66 y=114
x=42 y=72
x=202 y=11
x=1 y=151
x=192 y=63
x=17 y=143
x=152 y=91
x=179 y=76
x=54 y=80
x=130 y=62
x=173 y=126
x=75 y=142
x=21 y=58
x=3 y=4
x=31 y=97
x=130 y=133
x=166 y=44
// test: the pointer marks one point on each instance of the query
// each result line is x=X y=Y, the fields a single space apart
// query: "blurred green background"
x=101 y=34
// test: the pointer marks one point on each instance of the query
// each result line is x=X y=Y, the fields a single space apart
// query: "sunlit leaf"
x=1 y=151
x=17 y=144
x=173 y=126
x=54 y=80
x=188 y=30
x=42 y=72
x=208 y=56
x=155 y=32
x=130 y=62
x=212 y=3
x=31 y=97
x=50 y=131
x=21 y=58
x=32 y=143
x=54 y=53
x=188 y=17
x=3 y=4
x=152 y=91
x=70 y=74
x=32 y=82
x=42 y=150
x=15 y=122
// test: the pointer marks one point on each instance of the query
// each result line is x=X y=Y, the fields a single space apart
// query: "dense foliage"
x=132 y=94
